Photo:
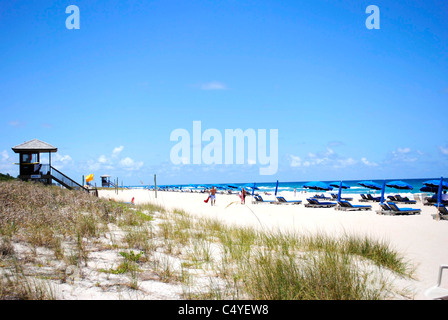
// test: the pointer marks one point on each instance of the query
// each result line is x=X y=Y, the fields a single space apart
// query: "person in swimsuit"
x=243 y=196
x=212 y=196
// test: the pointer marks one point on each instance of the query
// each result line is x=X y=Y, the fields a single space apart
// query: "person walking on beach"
x=243 y=196
x=212 y=196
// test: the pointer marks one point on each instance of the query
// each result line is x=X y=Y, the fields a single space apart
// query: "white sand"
x=422 y=239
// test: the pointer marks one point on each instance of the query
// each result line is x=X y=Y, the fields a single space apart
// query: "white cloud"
x=117 y=151
x=7 y=164
x=295 y=161
x=102 y=159
x=369 y=163
x=16 y=123
x=404 y=154
x=113 y=162
x=5 y=155
x=63 y=159
x=345 y=162
x=129 y=164
x=214 y=85
x=59 y=161
x=93 y=165
x=327 y=158
x=404 y=150
x=444 y=150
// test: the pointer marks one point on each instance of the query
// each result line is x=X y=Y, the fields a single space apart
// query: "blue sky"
x=348 y=102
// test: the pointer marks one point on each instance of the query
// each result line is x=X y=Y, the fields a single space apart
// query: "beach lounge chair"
x=404 y=200
x=347 y=206
x=385 y=209
x=397 y=210
x=370 y=198
x=335 y=197
x=429 y=201
x=259 y=199
x=363 y=198
x=282 y=200
x=321 y=196
x=315 y=203
x=443 y=211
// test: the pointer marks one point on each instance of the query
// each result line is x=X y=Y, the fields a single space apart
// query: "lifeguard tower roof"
x=34 y=145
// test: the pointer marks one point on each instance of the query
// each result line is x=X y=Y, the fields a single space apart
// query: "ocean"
x=355 y=188
x=353 y=184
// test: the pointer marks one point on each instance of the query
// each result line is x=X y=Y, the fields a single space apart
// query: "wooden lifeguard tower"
x=30 y=168
x=105 y=181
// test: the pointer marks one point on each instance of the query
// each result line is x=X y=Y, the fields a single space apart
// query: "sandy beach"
x=420 y=238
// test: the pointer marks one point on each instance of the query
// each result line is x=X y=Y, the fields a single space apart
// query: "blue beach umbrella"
x=317 y=185
x=340 y=191
x=276 y=188
x=382 y=192
x=436 y=184
x=338 y=184
x=400 y=185
x=251 y=186
x=429 y=189
x=370 y=185
x=439 y=193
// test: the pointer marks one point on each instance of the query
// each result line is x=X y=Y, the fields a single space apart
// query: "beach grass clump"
x=376 y=251
x=321 y=276
x=280 y=265
x=67 y=223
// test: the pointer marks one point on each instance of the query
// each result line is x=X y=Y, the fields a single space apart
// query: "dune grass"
x=238 y=262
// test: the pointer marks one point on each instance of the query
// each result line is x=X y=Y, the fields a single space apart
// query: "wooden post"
x=155 y=185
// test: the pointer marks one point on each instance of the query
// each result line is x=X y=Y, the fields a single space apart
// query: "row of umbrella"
x=428 y=186
x=433 y=185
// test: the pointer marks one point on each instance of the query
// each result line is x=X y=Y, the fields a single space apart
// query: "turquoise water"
x=354 y=186
x=298 y=185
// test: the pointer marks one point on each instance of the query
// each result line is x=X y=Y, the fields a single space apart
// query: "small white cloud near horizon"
x=444 y=150
x=114 y=162
x=327 y=158
x=102 y=159
x=117 y=151
x=295 y=161
x=369 y=163
x=16 y=124
x=7 y=164
x=403 y=150
x=404 y=155
x=213 y=85
x=129 y=164
x=60 y=161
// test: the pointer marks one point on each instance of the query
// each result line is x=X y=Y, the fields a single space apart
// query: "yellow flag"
x=89 y=177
